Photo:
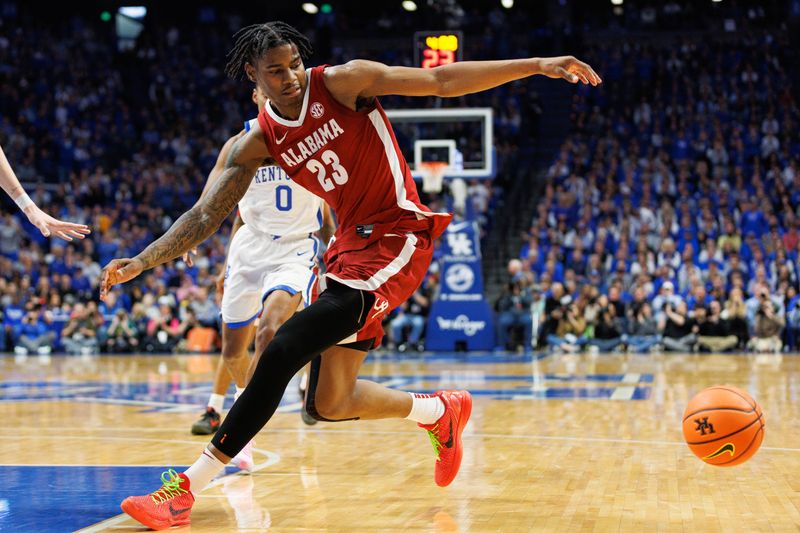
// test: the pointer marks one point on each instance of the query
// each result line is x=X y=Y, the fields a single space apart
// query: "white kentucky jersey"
x=275 y=205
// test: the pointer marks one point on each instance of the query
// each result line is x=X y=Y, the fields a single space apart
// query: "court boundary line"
x=320 y=431
x=272 y=459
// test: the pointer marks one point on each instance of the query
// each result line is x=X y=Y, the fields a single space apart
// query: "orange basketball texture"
x=723 y=426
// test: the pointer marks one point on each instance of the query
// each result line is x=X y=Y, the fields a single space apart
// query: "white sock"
x=203 y=471
x=239 y=391
x=425 y=408
x=216 y=401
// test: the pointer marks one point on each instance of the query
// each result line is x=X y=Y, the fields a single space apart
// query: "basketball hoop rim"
x=434 y=166
x=432 y=175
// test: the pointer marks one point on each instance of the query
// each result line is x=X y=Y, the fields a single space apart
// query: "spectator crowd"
x=121 y=140
x=669 y=219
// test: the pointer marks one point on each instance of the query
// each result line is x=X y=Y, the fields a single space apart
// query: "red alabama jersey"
x=351 y=159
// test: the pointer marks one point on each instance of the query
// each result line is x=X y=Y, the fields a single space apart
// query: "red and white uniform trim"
x=352 y=160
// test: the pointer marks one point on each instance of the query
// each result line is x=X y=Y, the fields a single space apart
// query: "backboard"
x=461 y=137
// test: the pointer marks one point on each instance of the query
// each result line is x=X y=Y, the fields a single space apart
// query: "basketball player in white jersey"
x=43 y=222
x=269 y=272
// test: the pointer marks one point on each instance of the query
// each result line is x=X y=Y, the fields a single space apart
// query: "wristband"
x=23 y=201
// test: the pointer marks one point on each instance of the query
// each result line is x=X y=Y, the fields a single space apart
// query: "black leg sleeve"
x=338 y=313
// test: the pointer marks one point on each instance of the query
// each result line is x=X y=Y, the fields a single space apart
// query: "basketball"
x=508 y=258
x=723 y=426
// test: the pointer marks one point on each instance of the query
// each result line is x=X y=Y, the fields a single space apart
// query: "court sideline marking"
x=271 y=459
x=607 y=440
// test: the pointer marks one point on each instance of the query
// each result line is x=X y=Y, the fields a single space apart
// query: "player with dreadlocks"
x=325 y=128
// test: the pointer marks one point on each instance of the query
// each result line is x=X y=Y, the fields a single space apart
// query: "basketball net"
x=432 y=175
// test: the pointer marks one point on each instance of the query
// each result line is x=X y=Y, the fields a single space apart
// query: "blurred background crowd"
x=668 y=218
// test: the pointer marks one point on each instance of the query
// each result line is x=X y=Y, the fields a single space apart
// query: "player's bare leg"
x=278 y=307
x=222 y=378
x=235 y=344
x=338 y=394
x=232 y=366
x=339 y=313
x=209 y=422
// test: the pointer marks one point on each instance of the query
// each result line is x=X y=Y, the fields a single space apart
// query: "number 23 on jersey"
x=338 y=172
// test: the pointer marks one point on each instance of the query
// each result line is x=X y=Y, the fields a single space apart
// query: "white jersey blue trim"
x=276 y=206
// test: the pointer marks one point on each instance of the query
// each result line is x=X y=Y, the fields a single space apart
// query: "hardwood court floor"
x=558 y=443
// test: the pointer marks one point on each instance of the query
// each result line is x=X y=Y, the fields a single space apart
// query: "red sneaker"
x=445 y=434
x=169 y=506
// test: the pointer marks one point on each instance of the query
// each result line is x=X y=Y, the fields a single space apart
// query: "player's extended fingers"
x=104 y=283
x=582 y=71
x=76 y=233
x=587 y=74
x=64 y=235
x=583 y=77
x=572 y=78
x=44 y=229
x=109 y=277
x=591 y=74
x=83 y=228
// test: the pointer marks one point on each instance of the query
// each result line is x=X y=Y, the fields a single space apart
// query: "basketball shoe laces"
x=434 y=437
x=171 y=488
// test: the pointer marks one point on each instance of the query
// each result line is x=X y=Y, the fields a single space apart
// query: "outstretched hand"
x=52 y=226
x=118 y=271
x=187 y=257
x=570 y=69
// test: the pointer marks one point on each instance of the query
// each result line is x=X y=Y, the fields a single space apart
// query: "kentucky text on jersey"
x=313 y=143
x=269 y=174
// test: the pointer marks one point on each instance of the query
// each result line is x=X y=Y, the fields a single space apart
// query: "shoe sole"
x=307 y=418
x=463 y=419
x=132 y=510
x=197 y=430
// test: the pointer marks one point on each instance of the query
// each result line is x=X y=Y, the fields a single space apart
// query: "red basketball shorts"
x=391 y=268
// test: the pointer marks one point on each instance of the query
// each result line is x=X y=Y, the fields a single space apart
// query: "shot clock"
x=434 y=48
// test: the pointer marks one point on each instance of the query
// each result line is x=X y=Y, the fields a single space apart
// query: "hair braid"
x=254 y=41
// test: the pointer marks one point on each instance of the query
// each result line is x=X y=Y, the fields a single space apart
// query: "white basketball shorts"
x=259 y=265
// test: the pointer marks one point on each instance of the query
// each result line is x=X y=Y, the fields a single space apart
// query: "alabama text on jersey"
x=275 y=205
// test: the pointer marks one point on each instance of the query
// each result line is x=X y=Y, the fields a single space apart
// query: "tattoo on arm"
x=202 y=220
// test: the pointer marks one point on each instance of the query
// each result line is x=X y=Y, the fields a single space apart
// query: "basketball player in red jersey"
x=325 y=127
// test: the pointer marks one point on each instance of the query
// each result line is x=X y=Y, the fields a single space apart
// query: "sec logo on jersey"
x=317 y=110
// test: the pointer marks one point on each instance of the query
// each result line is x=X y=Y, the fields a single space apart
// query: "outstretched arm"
x=363 y=79
x=43 y=222
x=213 y=176
x=219 y=166
x=202 y=220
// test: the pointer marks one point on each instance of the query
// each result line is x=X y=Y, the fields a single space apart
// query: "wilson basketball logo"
x=317 y=110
